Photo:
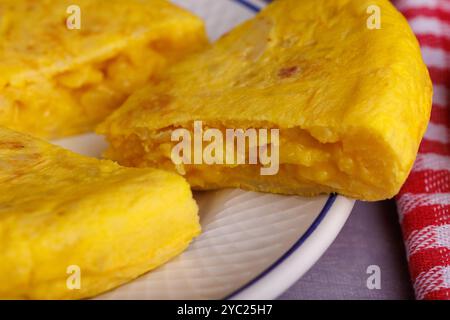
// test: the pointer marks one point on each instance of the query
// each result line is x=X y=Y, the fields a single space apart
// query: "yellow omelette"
x=65 y=65
x=351 y=102
x=73 y=227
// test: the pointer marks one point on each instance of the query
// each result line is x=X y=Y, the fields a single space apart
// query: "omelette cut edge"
x=74 y=227
x=59 y=78
x=351 y=102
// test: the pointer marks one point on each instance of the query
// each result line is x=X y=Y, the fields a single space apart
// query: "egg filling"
x=56 y=81
x=306 y=165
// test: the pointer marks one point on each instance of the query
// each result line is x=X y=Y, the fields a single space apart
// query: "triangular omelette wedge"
x=65 y=65
x=351 y=100
x=73 y=226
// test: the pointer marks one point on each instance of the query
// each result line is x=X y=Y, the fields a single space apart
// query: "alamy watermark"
x=73 y=21
x=374 y=280
x=232 y=147
x=374 y=20
x=73 y=281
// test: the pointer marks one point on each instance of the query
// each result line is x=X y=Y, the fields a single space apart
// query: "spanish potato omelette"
x=351 y=103
x=59 y=209
x=56 y=81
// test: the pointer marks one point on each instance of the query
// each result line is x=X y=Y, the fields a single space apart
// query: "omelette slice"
x=73 y=226
x=351 y=102
x=57 y=80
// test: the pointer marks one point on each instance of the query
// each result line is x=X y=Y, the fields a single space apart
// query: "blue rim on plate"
x=248 y=5
x=326 y=208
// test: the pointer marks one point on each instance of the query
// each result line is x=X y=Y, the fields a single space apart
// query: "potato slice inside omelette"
x=73 y=227
x=351 y=101
x=65 y=65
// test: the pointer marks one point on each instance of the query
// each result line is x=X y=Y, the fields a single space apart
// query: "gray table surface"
x=371 y=236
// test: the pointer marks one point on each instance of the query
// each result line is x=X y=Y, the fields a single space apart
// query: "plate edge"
x=333 y=201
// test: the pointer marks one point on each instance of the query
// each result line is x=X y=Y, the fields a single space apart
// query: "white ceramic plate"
x=253 y=245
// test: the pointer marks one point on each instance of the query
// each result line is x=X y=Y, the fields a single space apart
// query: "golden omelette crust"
x=56 y=82
x=359 y=99
x=59 y=209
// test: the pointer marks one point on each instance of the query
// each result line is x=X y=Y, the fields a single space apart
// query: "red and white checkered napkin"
x=424 y=200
